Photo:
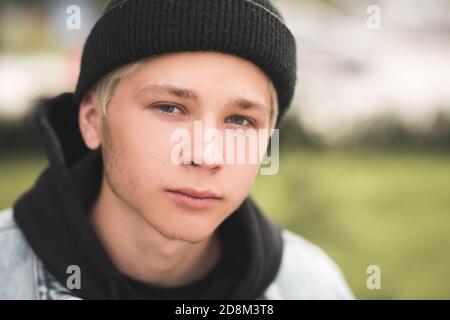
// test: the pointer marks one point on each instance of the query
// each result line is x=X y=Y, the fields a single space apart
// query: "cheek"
x=134 y=152
x=239 y=179
x=143 y=142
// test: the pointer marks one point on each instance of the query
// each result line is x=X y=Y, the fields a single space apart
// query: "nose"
x=207 y=144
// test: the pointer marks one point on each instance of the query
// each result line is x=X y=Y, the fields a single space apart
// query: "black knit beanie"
x=131 y=30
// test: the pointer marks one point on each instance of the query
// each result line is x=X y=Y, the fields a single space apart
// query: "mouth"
x=194 y=199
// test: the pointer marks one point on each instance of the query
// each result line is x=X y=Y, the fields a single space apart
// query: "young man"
x=114 y=216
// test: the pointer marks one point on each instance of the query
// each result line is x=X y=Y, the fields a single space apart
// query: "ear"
x=90 y=121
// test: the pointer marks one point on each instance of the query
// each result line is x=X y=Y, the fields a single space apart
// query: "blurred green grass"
x=363 y=208
x=18 y=171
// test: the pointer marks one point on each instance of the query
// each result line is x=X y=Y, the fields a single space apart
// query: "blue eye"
x=238 y=120
x=167 y=108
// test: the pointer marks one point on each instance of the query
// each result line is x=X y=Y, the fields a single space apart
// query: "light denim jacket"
x=306 y=271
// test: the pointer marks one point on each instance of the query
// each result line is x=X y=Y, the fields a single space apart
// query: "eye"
x=168 y=108
x=241 y=121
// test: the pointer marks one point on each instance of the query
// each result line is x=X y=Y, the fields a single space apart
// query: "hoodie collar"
x=54 y=216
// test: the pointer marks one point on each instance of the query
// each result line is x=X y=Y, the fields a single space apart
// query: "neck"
x=139 y=251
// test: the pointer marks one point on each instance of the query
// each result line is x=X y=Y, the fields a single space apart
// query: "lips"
x=194 y=199
x=201 y=194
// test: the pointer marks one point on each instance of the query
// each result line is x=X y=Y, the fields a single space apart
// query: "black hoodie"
x=54 y=217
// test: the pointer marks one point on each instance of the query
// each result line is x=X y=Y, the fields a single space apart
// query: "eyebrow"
x=188 y=94
x=245 y=104
x=169 y=90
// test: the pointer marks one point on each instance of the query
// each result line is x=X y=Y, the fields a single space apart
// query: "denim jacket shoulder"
x=306 y=271
x=18 y=267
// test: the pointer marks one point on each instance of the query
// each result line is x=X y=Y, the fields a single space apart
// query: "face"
x=166 y=94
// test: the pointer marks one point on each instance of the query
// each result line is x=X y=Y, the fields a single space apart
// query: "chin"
x=191 y=235
x=184 y=227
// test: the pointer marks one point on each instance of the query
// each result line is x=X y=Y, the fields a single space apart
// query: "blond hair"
x=106 y=87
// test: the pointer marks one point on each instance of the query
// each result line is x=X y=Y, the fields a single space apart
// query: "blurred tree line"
x=388 y=131
x=385 y=131
x=19 y=135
